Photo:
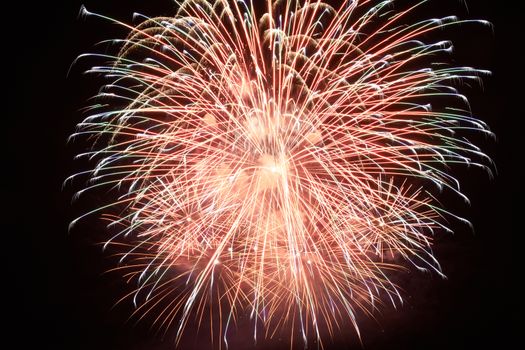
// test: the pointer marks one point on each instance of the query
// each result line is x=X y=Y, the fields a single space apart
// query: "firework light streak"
x=280 y=165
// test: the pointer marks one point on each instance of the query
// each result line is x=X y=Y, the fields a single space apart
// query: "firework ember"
x=277 y=162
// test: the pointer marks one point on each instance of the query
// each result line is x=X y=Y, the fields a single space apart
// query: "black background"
x=59 y=297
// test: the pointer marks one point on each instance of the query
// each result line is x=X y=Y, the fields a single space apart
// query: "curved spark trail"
x=277 y=162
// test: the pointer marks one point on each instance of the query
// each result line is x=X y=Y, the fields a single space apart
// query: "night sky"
x=58 y=294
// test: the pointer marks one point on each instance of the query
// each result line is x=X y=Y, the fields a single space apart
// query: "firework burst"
x=276 y=162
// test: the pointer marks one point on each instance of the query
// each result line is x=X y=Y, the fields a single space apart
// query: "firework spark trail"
x=278 y=165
